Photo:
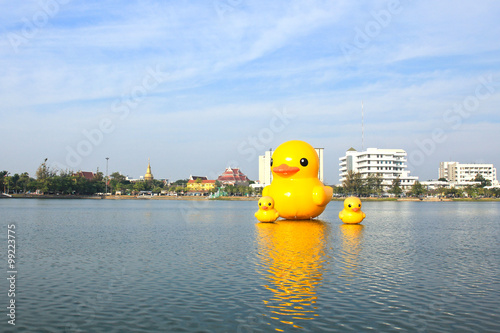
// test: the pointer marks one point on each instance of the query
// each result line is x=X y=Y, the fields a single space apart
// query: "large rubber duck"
x=266 y=212
x=297 y=192
x=352 y=213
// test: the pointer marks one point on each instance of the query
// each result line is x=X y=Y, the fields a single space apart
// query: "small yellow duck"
x=266 y=212
x=297 y=192
x=352 y=211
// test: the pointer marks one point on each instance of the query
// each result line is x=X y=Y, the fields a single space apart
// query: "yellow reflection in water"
x=292 y=257
x=352 y=240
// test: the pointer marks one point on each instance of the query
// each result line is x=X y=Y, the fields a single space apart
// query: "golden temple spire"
x=148 y=176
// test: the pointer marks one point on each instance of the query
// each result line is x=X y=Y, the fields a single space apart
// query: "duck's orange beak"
x=355 y=209
x=285 y=170
x=264 y=207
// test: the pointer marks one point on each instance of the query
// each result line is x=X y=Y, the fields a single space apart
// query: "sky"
x=197 y=86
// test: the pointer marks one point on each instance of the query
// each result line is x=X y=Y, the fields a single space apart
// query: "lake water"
x=181 y=266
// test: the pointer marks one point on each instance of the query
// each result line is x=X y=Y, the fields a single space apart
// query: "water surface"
x=181 y=266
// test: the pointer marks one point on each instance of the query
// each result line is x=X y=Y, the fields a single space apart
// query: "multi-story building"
x=388 y=163
x=458 y=172
x=265 y=172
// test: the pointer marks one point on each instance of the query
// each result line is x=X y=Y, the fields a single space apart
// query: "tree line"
x=355 y=184
x=52 y=181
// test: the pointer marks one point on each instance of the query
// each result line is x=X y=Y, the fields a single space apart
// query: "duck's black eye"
x=304 y=162
x=271 y=162
x=269 y=204
x=349 y=205
x=260 y=204
x=359 y=205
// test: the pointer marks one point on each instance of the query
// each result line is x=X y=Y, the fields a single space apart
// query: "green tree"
x=140 y=186
x=417 y=189
x=373 y=184
x=180 y=182
x=44 y=177
x=471 y=191
x=15 y=185
x=24 y=180
x=395 y=187
x=484 y=182
x=453 y=192
x=7 y=183
x=338 y=190
x=353 y=183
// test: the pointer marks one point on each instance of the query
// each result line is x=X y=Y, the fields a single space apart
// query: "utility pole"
x=107 y=159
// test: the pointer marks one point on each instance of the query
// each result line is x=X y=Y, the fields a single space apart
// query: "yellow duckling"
x=352 y=211
x=266 y=212
x=297 y=192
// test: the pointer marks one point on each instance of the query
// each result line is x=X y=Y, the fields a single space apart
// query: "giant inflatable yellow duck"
x=297 y=192
x=266 y=212
x=352 y=211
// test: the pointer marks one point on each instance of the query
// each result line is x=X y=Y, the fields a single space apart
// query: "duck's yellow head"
x=352 y=203
x=295 y=158
x=266 y=203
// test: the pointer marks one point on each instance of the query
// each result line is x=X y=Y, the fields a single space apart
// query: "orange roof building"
x=89 y=175
x=200 y=185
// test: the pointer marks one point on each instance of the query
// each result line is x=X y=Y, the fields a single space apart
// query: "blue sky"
x=197 y=86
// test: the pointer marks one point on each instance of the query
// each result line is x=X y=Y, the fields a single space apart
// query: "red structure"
x=233 y=177
x=85 y=174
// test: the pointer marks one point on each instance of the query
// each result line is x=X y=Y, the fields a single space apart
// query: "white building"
x=435 y=184
x=458 y=172
x=388 y=163
x=265 y=172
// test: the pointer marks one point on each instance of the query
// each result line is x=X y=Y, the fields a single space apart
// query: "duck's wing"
x=322 y=195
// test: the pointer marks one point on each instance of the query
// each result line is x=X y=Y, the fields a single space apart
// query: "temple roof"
x=233 y=176
x=89 y=175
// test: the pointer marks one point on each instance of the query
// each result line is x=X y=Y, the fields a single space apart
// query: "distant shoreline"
x=245 y=198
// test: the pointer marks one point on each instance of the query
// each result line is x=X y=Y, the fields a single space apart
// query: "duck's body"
x=266 y=212
x=352 y=213
x=297 y=192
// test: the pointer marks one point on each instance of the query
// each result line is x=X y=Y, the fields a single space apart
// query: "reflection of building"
x=388 y=163
x=292 y=258
x=148 y=176
x=233 y=177
x=458 y=172
x=266 y=175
